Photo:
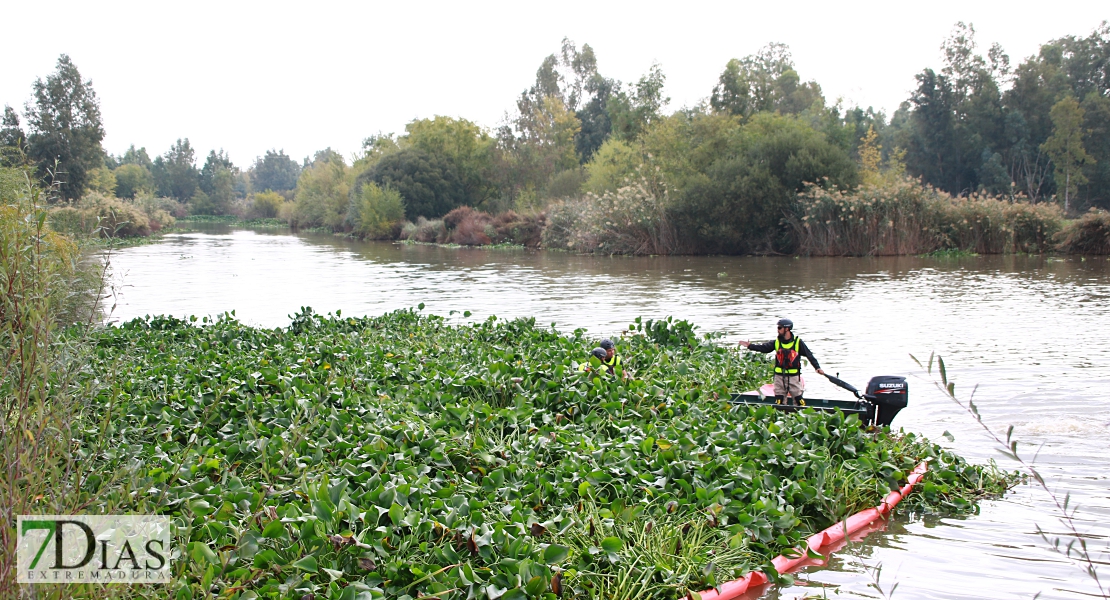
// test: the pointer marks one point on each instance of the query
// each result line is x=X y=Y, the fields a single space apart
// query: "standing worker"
x=789 y=350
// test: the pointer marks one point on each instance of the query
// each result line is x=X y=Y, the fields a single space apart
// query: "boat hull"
x=886 y=395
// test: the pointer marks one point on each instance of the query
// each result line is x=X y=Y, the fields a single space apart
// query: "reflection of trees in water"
x=762 y=276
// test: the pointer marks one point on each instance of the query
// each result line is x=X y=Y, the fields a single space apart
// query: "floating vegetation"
x=949 y=253
x=409 y=456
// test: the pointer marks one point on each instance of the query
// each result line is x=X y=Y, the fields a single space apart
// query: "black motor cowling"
x=890 y=394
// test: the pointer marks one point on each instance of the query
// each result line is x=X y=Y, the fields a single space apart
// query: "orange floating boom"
x=833 y=535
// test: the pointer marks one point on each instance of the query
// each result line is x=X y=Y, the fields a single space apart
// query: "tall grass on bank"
x=908 y=218
x=631 y=220
x=1089 y=234
x=38 y=402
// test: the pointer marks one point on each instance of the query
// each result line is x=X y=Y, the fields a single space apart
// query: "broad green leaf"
x=396 y=514
x=555 y=553
x=307 y=563
x=612 y=544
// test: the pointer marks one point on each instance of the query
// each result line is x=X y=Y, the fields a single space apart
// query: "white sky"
x=249 y=76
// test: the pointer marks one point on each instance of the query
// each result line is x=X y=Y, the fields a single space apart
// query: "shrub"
x=632 y=220
x=526 y=230
x=133 y=180
x=104 y=215
x=468 y=227
x=611 y=166
x=265 y=205
x=425 y=231
x=566 y=184
x=323 y=196
x=1090 y=234
x=377 y=212
x=452 y=219
x=160 y=211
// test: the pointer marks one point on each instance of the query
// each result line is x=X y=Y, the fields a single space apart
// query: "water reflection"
x=1032 y=331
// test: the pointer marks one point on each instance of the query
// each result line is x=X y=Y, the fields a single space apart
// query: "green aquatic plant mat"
x=415 y=456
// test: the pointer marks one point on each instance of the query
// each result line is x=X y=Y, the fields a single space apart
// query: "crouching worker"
x=598 y=353
x=789 y=350
x=611 y=359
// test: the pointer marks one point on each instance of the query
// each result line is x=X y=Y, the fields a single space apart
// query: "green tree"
x=611 y=166
x=596 y=125
x=937 y=151
x=377 y=146
x=266 y=205
x=101 y=180
x=133 y=179
x=64 y=128
x=136 y=157
x=175 y=172
x=547 y=139
x=586 y=92
x=213 y=165
x=764 y=82
x=466 y=145
x=732 y=183
x=219 y=199
x=275 y=171
x=1065 y=147
x=732 y=94
x=323 y=193
x=376 y=211
x=1096 y=109
x=11 y=132
x=634 y=109
x=428 y=184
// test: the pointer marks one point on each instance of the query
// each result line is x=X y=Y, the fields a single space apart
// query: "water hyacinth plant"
x=411 y=456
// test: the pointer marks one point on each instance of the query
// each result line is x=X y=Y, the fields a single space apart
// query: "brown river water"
x=1032 y=332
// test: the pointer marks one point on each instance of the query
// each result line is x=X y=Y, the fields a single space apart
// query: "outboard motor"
x=890 y=394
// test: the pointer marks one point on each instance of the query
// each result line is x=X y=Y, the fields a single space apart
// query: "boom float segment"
x=829 y=537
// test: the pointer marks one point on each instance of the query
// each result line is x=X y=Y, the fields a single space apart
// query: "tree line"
x=723 y=176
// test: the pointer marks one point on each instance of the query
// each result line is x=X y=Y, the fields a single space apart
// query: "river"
x=1032 y=332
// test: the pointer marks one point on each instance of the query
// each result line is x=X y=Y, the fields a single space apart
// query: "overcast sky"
x=249 y=76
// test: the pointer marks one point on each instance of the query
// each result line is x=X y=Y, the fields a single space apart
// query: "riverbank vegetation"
x=416 y=455
x=46 y=287
x=907 y=218
x=765 y=164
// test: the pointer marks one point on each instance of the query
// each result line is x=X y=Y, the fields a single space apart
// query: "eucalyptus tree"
x=64 y=128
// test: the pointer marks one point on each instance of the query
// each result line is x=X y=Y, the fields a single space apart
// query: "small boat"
x=885 y=396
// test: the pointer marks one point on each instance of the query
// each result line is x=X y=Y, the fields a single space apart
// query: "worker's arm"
x=803 y=349
x=763 y=347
